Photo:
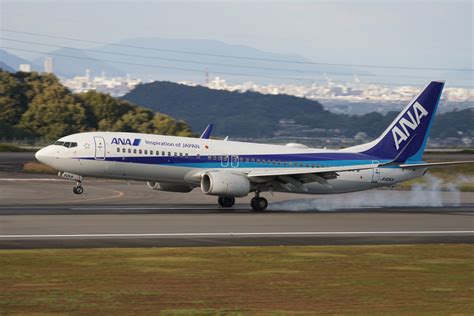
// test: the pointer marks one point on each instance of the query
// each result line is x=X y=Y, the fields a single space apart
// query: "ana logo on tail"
x=401 y=131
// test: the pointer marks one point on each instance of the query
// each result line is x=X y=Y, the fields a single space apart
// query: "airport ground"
x=121 y=248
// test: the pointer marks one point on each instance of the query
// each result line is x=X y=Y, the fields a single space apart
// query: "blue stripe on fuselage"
x=273 y=160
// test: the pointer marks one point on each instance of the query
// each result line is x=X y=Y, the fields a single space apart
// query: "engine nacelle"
x=225 y=184
x=169 y=187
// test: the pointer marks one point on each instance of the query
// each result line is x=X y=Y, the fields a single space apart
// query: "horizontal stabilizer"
x=434 y=164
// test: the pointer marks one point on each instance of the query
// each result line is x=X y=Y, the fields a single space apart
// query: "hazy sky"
x=404 y=33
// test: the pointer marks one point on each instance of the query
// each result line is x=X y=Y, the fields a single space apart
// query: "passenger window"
x=181 y=154
x=163 y=153
x=139 y=151
x=186 y=154
x=129 y=151
x=146 y=152
x=134 y=151
x=123 y=150
x=169 y=153
x=118 y=149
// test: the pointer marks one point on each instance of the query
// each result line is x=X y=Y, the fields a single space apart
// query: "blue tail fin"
x=406 y=137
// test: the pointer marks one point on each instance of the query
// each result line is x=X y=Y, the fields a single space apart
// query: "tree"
x=12 y=99
x=103 y=111
x=54 y=113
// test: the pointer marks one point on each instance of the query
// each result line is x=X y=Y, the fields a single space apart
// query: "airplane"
x=231 y=169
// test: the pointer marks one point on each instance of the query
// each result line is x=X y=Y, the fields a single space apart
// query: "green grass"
x=406 y=279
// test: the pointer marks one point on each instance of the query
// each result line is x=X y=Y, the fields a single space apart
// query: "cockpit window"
x=66 y=144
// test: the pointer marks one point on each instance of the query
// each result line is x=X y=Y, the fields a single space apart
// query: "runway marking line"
x=441 y=232
x=118 y=194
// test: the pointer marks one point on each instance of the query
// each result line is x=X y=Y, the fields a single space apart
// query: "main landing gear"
x=78 y=189
x=258 y=204
x=226 y=201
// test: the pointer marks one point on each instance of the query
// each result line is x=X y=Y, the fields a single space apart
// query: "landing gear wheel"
x=226 y=201
x=78 y=190
x=259 y=204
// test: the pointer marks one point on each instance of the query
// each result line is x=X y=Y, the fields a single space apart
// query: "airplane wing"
x=296 y=171
x=434 y=164
x=297 y=177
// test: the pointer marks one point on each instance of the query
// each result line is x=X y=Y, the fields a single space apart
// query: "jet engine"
x=225 y=184
x=169 y=187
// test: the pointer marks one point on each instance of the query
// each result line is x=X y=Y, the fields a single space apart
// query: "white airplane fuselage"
x=181 y=161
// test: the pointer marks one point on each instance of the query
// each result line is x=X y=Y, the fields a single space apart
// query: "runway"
x=64 y=226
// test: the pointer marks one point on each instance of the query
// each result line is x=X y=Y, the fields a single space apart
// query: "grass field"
x=393 y=280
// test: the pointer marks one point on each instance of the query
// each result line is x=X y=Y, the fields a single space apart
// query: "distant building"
x=24 y=68
x=48 y=65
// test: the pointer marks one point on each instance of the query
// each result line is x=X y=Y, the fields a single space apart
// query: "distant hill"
x=5 y=67
x=14 y=61
x=255 y=115
x=168 y=49
x=248 y=114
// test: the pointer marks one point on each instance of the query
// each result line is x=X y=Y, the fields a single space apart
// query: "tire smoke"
x=433 y=193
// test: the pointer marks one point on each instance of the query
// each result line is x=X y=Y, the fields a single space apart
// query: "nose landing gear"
x=78 y=189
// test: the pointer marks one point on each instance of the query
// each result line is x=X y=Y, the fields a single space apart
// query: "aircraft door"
x=234 y=161
x=376 y=172
x=99 y=147
x=224 y=161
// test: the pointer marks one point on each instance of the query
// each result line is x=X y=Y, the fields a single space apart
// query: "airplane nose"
x=42 y=155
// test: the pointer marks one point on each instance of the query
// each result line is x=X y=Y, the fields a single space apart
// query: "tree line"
x=38 y=105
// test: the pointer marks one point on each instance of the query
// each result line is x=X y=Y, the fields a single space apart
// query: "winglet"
x=207 y=132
